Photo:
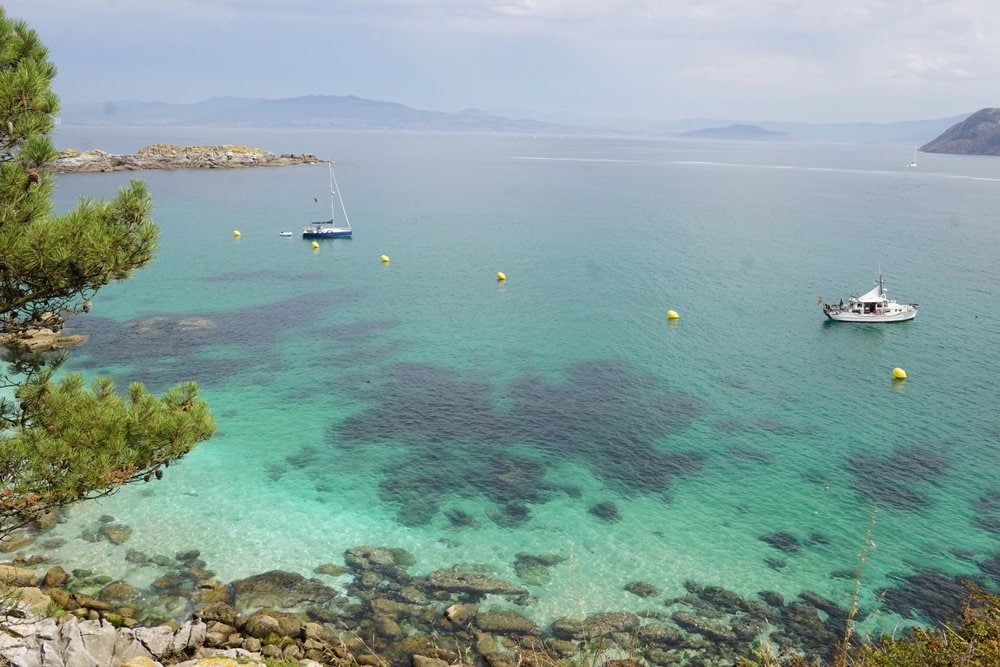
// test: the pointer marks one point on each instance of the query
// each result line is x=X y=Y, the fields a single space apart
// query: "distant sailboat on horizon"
x=913 y=161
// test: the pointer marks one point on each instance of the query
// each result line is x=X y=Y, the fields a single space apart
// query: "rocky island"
x=167 y=156
x=979 y=134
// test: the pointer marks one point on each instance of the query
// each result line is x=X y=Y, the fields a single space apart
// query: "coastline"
x=169 y=156
x=371 y=610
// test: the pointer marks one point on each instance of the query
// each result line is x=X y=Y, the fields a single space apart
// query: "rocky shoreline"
x=168 y=156
x=371 y=611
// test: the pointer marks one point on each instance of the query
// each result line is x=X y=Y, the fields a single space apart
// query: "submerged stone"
x=277 y=588
x=597 y=625
x=506 y=623
x=642 y=589
x=784 y=541
x=455 y=581
x=607 y=511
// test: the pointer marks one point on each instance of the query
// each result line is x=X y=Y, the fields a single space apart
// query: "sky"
x=780 y=60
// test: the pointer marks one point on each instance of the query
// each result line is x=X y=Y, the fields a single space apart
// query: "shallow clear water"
x=362 y=403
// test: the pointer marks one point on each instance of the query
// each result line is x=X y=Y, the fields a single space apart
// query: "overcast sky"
x=781 y=60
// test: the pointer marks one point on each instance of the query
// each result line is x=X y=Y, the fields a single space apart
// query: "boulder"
x=387 y=562
x=659 y=634
x=17 y=576
x=642 y=589
x=118 y=593
x=56 y=576
x=506 y=623
x=280 y=589
x=598 y=625
x=262 y=625
x=468 y=582
x=14 y=542
x=461 y=613
x=116 y=533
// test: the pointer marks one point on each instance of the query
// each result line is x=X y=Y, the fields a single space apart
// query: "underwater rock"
x=506 y=623
x=775 y=564
x=511 y=515
x=642 y=589
x=330 y=569
x=607 y=510
x=782 y=541
x=722 y=599
x=461 y=613
x=890 y=479
x=136 y=557
x=707 y=629
x=987 y=510
x=468 y=582
x=387 y=562
x=660 y=634
x=598 y=625
x=534 y=569
x=460 y=518
x=116 y=533
x=277 y=588
x=118 y=593
x=833 y=611
x=928 y=594
x=991 y=568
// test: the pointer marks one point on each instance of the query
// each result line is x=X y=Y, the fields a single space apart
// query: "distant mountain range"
x=312 y=111
x=356 y=113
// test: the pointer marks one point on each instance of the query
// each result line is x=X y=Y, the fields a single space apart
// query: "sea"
x=423 y=404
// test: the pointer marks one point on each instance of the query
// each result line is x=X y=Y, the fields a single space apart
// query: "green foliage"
x=971 y=639
x=61 y=441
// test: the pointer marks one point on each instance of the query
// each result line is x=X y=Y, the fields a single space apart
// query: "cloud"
x=864 y=58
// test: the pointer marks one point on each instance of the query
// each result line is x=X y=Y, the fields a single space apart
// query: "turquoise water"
x=424 y=405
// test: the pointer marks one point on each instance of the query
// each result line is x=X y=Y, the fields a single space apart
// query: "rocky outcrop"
x=167 y=156
x=40 y=339
x=979 y=134
x=45 y=641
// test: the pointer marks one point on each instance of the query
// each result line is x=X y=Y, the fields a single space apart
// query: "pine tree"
x=60 y=440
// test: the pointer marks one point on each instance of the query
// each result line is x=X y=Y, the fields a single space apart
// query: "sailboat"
x=330 y=229
x=913 y=162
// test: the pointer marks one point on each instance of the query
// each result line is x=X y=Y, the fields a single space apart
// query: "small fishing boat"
x=284 y=233
x=872 y=306
x=330 y=229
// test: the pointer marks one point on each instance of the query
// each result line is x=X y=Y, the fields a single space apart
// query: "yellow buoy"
x=500 y=276
x=672 y=315
x=315 y=245
x=236 y=233
x=898 y=373
x=384 y=259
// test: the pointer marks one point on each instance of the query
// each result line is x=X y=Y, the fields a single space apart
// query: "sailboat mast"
x=329 y=164
x=334 y=186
